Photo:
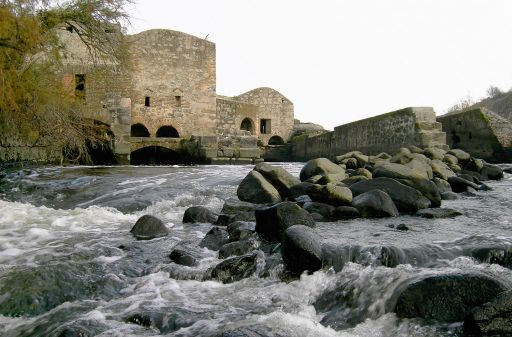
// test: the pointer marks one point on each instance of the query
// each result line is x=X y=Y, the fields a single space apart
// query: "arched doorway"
x=247 y=125
x=139 y=130
x=275 y=140
x=155 y=155
x=167 y=131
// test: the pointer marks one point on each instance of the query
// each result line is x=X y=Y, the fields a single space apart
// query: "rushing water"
x=69 y=266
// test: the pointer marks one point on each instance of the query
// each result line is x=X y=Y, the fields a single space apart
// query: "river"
x=70 y=267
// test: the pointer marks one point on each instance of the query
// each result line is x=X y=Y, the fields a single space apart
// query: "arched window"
x=168 y=132
x=247 y=125
x=139 y=130
x=275 y=140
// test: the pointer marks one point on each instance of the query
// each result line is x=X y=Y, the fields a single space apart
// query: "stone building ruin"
x=165 y=95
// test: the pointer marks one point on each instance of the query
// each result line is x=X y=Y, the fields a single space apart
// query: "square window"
x=147 y=101
x=265 y=126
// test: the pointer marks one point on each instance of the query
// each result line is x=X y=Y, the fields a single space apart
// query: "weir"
x=384 y=133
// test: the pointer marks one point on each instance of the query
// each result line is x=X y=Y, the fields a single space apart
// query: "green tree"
x=36 y=107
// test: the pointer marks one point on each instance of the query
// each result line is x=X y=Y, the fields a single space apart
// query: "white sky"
x=338 y=60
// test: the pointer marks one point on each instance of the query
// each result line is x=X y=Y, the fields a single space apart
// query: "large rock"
x=256 y=189
x=241 y=230
x=491 y=319
x=426 y=187
x=493 y=172
x=238 y=248
x=406 y=199
x=434 y=153
x=397 y=171
x=375 y=204
x=446 y=298
x=331 y=194
x=215 y=238
x=442 y=185
x=441 y=170
x=319 y=166
x=281 y=179
x=459 y=184
x=235 y=268
x=183 y=257
x=421 y=165
x=462 y=156
x=149 y=227
x=325 y=210
x=437 y=213
x=474 y=164
x=345 y=213
x=272 y=222
x=199 y=214
x=301 y=249
x=234 y=206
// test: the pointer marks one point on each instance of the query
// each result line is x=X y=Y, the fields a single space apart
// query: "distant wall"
x=480 y=132
x=231 y=113
x=383 y=133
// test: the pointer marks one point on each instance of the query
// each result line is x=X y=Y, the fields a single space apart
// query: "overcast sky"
x=339 y=61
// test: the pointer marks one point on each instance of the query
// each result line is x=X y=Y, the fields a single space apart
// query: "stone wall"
x=173 y=82
x=383 y=133
x=482 y=133
x=231 y=113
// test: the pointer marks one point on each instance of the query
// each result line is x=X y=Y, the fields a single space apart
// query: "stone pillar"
x=120 y=125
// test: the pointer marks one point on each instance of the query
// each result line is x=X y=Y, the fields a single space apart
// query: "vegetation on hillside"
x=498 y=101
x=37 y=107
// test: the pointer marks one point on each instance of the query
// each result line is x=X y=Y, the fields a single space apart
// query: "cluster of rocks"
x=273 y=223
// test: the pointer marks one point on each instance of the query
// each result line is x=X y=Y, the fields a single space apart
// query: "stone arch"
x=155 y=155
x=247 y=125
x=275 y=140
x=139 y=130
x=167 y=131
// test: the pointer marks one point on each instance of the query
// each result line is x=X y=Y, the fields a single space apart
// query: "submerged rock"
x=431 y=213
x=199 y=214
x=446 y=298
x=272 y=222
x=238 y=248
x=491 y=319
x=375 y=204
x=345 y=213
x=301 y=249
x=183 y=257
x=241 y=230
x=149 y=227
x=235 y=268
x=459 y=184
x=215 y=238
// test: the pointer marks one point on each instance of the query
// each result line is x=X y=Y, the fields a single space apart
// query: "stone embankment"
x=272 y=229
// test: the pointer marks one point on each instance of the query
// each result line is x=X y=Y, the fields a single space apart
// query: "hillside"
x=500 y=104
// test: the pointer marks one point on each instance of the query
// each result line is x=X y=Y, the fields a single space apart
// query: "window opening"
x=147 y=101
x=80 y=86
x=178 y=101
x=265 y=126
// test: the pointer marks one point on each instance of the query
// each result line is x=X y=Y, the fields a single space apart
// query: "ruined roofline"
x=261 y=89
x=169 y=32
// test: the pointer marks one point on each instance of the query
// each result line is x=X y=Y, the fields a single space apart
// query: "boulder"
x=235 y=268
x=493 y=254
x=331 y=194
x=325 y=210
x=397 y=171
x=149 y=227
x=375 y=204
x=450 y=160
x=281 y=179
x=302 y=199
x=199 y=214
x=238 y=248
x=403 y=156
x=441 y=170
x=405 y=198
x=415 y=149
x=363 y=172
x=256 y=189
x=354 y=179
x=226 y=219
x=474 y=164
x=449 y=196
x=183 y=257
x=241 y=230
x=459 y=184
x=332 y=178
x=446 y=298
x=421 y=165
x=272 y=222
x=425 y=187
x=301 y=249
x=491 y=319
x=442 y=185
x=434 y=153
x=319 y=166
x=350 y=163
x=437 y=213
x=345 y=213
x=462 y=156
x=234 y=206
x=348 y=155
x=492 y=172
x=215 y=238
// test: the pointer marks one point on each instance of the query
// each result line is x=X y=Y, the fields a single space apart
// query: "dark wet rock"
x=234 y=206
x=325 y=210
x=446 y=298
x=375 y=204
x=241 y=230
x=302 y=199
x=345 y=213
x=183 y=257
x=406 y=199
x=301 y=249
x=354 y=179
x=459 y=184
x=246 y=332
x=477 y=177
x=402 y=227
x=165 y=322
x=474 y=164
x=501 y=255
x=226 y=219
x=256 y=189
x=426 y=187
x=437 y=213
x=442 y=185
x=335 y=195
x=449 y=196
x=319 y=166
x=272 y=222
x=75 y=332
x=274 y=265
x=199 y=214
x=149 y=227
x=491 y=319
x=281 y=179
x=235 y=268
x=492 y=172
x=484 y=187
x=333 y=178
x=215 y=238
x=468 y=177
x=238 y=248
x=314 y=179
x=508 y=170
